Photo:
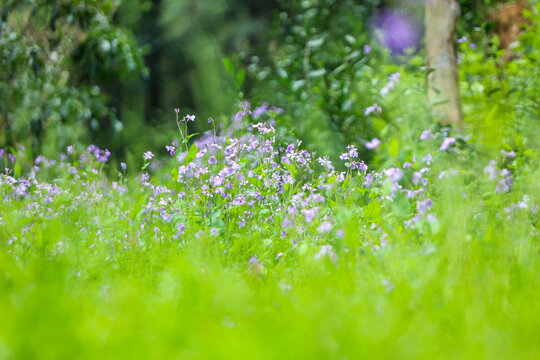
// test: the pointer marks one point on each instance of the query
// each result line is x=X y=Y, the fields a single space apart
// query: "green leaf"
x=240 y=77
x=393 y=148
x=191 y=154
x=228 y=66
x=372 y=212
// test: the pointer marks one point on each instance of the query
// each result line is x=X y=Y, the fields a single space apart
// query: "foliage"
x=56 y=56
x=500 y=96
x=320 y=69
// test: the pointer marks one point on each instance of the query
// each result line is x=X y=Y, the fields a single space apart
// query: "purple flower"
x=407 y=164
x=462 y=39
x=446 y=143
x=491 y=170
x=416 y=177
x=309 y=214
x=190 y=117
x=212 y=160
x=70 y=149
x=375 y=108
x=394 y=174
x=428 y=159
x=171 y=149
x=473 y=46
x=398 y=31
x=148 y=155
x=2 y=152
x=508 y=154
x=423 y=206
x=367 y=49
x=352 y=151
x=181 y=228
x=176 y=110
x=123 y=166
x=368 y=181
x=324 y=227
x=260 y=110
x=279 y=255
x=506 y=183
x=425 y=135
x=239 y=200
x=373 y=144
x=253 y=261
x=362 y=167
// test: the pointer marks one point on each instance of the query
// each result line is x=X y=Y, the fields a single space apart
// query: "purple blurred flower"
x=309 y=214
x=367 y=49
x=407 y=164
x=373 y=144
x=190 y=117
x=398 y=31
x=375 y=108
x=176 y=110
x=325 y=226
x=148 y=155
x=423 y=206
x=394 y=174
x=123 y=166
x=508 y=154
x=425 y=135
x=181 y=228
x=369 y=181
x=416 y=177
x=70 y=149
x=491 y=170
x=446 y=143
x=260 y=110
x=362 y=167
x=212 y=160
x=239 y=200
x=506 y=183
x=171 y=149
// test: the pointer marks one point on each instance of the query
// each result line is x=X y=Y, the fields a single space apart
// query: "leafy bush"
x=55 y=57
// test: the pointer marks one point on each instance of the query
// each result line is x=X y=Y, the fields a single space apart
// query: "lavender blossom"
x=375 y=108
x=171 y=149
x=148 y=155
x=373 y=144
x=423 y=206
x=426 y=135
x=446 y=143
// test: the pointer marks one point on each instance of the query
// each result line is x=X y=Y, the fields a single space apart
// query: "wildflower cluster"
x=224 y=187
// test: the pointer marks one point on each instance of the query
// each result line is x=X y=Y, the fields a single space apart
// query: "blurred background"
x=111 y=73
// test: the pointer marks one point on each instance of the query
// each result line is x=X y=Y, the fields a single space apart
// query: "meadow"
x=328 y=216
x=242 y=246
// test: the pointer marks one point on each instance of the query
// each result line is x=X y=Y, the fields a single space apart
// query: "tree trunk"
x=442 y=17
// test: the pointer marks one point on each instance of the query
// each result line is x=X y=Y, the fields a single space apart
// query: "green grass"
x=467 y=289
